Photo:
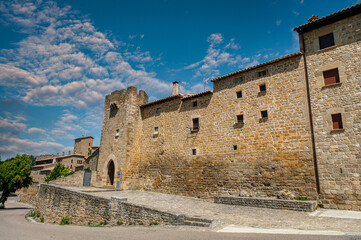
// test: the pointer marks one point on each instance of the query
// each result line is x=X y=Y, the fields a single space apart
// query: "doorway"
x=111 y=173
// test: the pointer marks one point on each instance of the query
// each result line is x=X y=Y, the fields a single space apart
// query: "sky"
x=59 y=59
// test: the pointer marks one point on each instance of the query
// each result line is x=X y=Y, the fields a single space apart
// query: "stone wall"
x=338 y=152
x=28 y=195
x=82 y=145
x=55 y=203
x=122 y=114
x=306 y=206
x=75 y=179
x=273 y=154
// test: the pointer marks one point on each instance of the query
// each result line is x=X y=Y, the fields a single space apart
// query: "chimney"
x=175 y=88
x=57 y=154
x=313 y=18
x=63 y=153
x=69 y=152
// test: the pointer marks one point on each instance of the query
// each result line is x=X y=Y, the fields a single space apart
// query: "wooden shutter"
x=326 y=41
x=337 y=121
x=331 y=76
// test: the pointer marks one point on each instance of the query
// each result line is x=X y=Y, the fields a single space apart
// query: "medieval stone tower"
x=121 y=132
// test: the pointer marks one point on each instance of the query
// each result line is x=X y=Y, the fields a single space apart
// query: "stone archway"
x=111 y=173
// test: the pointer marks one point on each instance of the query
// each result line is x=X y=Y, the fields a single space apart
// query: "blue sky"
x=58 y=59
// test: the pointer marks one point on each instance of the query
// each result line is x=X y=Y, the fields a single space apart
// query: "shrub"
x=301 y=198
x=64 y=221
x=42 y=219
x=34 y=214
x=59 y=171
x=120 y=223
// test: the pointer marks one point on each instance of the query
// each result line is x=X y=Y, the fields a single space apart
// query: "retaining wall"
x=307 y=206
x=55 y=203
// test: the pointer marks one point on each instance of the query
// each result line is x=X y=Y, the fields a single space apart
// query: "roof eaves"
x=258 y=66
x=197 y=95
x=162 y=100
x=331 y=18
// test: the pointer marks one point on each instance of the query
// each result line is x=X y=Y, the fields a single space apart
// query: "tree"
x=58 y=171
x=14 y=174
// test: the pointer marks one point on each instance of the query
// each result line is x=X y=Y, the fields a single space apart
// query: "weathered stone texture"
x=55 y=203
x=272 y=155
x=75 y=179
x=121 y=112
x=338 y=152
x=306 y=206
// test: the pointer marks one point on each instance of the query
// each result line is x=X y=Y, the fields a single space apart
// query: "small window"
x=195 y=124
x=235 y=147
x=238 y=80
x=71 y=161
x=157 y=111
x=239 y=94
x=262 y=88
x=262 y=73
x=240 y=118
x=156 y=130
x=194 y=151
x=326 y=41
x=117 y=133
x=71 y=166
x=195 y=104
x=337 y=121
x=89 y=144
x=264 y=114
x=331 y=76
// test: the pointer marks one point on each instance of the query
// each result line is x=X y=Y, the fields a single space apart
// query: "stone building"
x=83 y=148
x=291 y=124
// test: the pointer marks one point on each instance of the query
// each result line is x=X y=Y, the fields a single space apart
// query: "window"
x=195 y=124
x=235 y=147
x=262 y=88
x=238 y=80
x=331 y=76
x=156 y=130
x=240 y=118
x=194 y=151
x=157 y=111
x=239 y=94
x=71 y=161
x=89 y=144
x=195 y=104
x=262 y=73
x=337 y=121
x=117 y=133
x=326 y=41
x=264 y=114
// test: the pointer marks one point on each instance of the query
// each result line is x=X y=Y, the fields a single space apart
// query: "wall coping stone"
x=296 y=205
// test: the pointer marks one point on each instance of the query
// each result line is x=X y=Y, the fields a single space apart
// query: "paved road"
x=14 y=226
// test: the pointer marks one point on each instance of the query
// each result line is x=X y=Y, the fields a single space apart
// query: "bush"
x=34 y=214
x=120 y=223
x=301 y=198
x=42 y=219
x=64 y=221
x=59 y=171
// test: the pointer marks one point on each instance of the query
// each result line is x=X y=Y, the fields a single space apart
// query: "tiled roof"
x=83 y=137
x=344 y=13
x=197 y=95
x=163 y=100
x=257 y=66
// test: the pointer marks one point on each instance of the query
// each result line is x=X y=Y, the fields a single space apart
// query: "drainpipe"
x=310 y=114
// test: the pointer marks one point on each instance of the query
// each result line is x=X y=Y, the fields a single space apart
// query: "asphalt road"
x=14 y=226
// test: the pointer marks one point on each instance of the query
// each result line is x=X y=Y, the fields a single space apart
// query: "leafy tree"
x=14 y=174
x=58 y=171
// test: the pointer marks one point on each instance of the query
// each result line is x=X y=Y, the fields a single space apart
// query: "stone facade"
x=338 y=151
x=83 y=146
x=261 y=140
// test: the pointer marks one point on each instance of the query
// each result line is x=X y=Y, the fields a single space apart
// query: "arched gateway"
x=110 y=180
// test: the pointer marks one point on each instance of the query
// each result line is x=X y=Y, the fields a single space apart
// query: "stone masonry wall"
x=75 y=179
x=338 y=152
x=124 y=148
x=272 y=154
x=55 y=203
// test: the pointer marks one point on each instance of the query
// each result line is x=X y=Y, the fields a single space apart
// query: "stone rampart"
x=55 y=203
x=75 y=179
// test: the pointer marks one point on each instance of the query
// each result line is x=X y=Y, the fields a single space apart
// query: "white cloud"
x=65 y=60
x=37 y=130
x=278 y=22
x=13 y=124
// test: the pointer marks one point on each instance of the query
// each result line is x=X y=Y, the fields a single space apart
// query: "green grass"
x=64 y=221
x=42 y=219
x=120 y=223
x=301 y=198
x=34 y=214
